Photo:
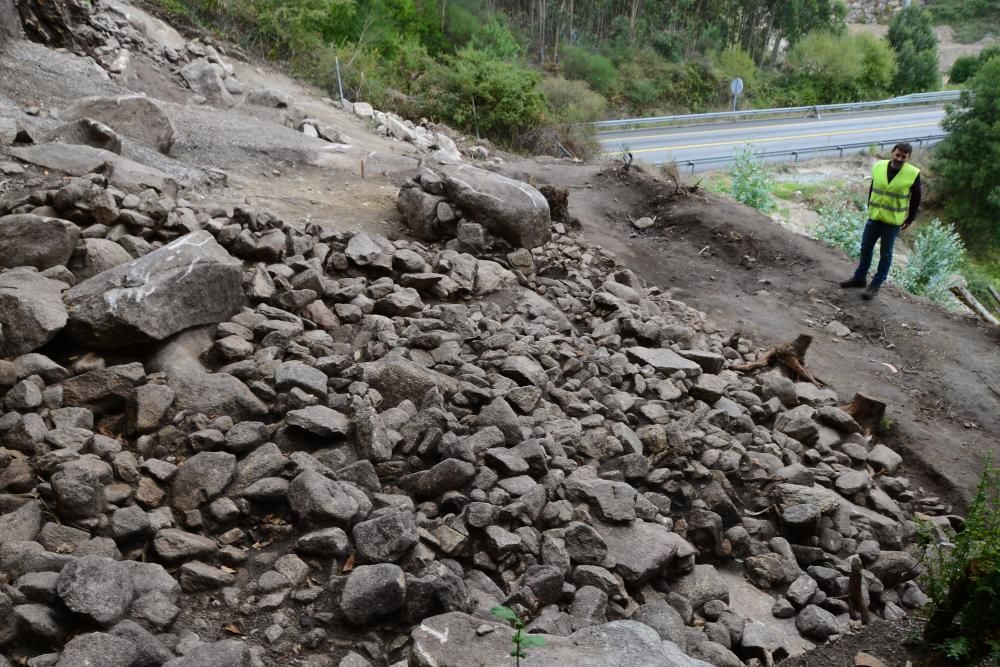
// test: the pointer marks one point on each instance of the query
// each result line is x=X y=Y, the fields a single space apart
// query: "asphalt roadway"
x=722 y=139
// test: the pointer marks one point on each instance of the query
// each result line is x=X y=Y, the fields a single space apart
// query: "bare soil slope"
x=938 y=372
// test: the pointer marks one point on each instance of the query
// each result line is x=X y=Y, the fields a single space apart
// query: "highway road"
x=723 y=139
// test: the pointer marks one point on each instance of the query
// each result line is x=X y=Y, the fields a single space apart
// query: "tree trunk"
x=633 y=15
x=790 y=355
x=866 y=411
x=541 y=33
x=855 y=598
x=965 y=296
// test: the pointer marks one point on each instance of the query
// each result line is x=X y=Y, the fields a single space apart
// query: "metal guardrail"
x=904 y=100
x=927 y=141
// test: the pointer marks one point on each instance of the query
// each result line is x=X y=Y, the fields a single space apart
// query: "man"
x=893 y=200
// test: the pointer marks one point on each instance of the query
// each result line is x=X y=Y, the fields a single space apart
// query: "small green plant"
x=962 y=579
x=842 y=228
x=751 y=182
x=520 y=640
x=938 y=254
x=886 y=425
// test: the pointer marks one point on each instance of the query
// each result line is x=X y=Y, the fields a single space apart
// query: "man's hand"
x=906 y=224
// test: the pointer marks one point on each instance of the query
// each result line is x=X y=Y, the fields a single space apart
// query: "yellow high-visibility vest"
x=890 y=200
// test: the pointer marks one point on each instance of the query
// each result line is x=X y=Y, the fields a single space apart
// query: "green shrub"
x=473 y=91
x=641 y=94
x=751 y=181
x=937 y=255
x=572 y=102
x=966 y=67
x=912 y=37
x=735 y=62
x=968 y=179
x=597 y=70
x=962 y=579
x=842 y=228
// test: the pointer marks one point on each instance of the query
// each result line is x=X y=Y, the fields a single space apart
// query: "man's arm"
x=915 y=193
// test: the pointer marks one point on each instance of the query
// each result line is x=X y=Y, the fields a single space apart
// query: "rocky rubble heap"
x=231 y=441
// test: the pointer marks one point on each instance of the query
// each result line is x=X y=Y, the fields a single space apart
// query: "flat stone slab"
x=664 y=360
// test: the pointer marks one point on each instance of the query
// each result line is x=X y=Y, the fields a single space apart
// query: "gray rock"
x=702 y=585
x=34 y=240
x=98 y=648
x=94 y=256
x=315 y=499
x=510 y=209
x=206 y=79
x=150 y=650
x=499 y=414
x=471 y=642
x=884 y=460
x=419 y=212
x=372 y=592
x=524 y=370
x=386 y=537
x=157 y=610
x=172 y=546
x=401 y=379
x=372 y=435
x=801 y=519
x=765 y=570
x=665 y=620
x=816 y=623
x=225 y=653
x=201 y=478
x=584 y=544
x=894 y=567
x=589 y=607
x=447 y=475
x=79 y=493
x=664 y=360
x=22 y=524
x=297 y=374
x=324 y=542
x=802 y=590
x=197 y=576
x=31 y=311
x=97 y=588
x=190 y=281
x=851 y=482
x=320 y=420
x=88 y=132
x=137 y=117
x=639 y=551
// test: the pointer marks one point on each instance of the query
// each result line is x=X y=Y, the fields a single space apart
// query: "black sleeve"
x=915 y=193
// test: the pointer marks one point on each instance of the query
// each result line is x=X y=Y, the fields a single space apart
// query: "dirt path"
x=938 y=372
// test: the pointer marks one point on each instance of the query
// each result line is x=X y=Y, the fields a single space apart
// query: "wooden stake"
x=855 y=599
x=966 y=297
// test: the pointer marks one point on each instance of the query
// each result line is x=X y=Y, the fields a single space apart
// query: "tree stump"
x=790 y=355
x=867 y=411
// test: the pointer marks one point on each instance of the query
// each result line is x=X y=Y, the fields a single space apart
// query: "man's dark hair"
x=905 y=147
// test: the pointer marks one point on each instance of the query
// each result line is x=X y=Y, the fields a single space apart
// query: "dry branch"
x=965 y=296
x=790 y=355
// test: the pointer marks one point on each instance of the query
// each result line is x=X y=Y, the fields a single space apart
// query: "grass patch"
x=971 y=19
x=812 y=191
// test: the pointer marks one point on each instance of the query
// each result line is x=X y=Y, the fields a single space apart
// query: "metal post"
x=340 y=84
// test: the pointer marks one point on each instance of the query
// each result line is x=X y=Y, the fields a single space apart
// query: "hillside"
x=289 y=381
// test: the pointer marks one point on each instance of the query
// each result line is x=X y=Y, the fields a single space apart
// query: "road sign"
x=736 y=87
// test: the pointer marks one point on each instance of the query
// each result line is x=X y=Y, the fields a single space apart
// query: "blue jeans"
x=876 y=231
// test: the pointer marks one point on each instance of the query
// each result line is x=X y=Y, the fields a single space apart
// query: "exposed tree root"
x=790 y=355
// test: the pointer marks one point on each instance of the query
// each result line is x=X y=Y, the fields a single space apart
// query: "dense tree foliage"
x=966 y=165
x=501 y=67
x=911 y=35
x=965 y=67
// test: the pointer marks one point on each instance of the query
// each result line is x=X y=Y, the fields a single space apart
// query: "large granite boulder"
x=459 y=640
x=206 y=79
x=510 y=209
x=134 y=116
x=31 y=310
x=189 y=282
x=34 y=240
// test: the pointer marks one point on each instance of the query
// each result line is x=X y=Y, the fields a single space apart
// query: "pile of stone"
x=228 y=440
x=873 y=11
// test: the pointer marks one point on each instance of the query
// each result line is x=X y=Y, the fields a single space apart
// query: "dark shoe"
x=853 y=282
x=870 y=293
